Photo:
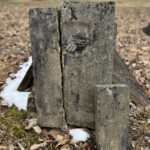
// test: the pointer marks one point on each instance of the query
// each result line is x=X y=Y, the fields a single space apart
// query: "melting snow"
x=10 y=93
x=79 y=135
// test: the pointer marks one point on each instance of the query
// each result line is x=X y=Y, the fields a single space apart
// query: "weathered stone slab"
x=112 y=116
x=121 y=74
x=46 y=66
x=88 y=41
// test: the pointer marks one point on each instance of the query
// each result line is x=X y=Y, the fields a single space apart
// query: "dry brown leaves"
x=134 y=48
x=133 y=45
x=14 y=39
x=60 y=140
x=139 y=127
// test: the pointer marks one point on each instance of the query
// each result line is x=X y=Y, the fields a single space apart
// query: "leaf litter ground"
x=132 y=45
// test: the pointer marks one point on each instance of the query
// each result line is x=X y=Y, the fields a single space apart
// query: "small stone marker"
x=46 y=66
x=112 y=117
x=88 y=41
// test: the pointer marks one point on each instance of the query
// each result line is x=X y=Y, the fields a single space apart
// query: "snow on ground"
x=78 y=135
x=10 y=93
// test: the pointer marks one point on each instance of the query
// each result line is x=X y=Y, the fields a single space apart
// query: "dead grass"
x=30 y=3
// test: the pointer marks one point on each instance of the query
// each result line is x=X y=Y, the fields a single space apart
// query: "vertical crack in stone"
x=44 y=33
x=64 y=126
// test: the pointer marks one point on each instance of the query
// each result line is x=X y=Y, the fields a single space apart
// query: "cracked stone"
x=44 y=32
x=88 y=41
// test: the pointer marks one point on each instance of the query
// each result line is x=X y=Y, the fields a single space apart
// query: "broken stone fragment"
x=112 y=116
x=122 y=75
x=44 y=35
x=88 y=41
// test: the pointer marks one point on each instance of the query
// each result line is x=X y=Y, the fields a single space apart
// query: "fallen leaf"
x=54 y=133
x=3 y=148
x=7 y=57
x=20 y=146
x=31 y=123
x=83 y=145
x=11 y=147
x=145 y=48
x=37 y=129
x=59 y=138
x=147 y=108
x=63 y=142
x=65 y=147
x=36 y=146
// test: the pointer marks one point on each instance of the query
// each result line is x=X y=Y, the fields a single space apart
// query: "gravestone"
x=46 y=66
x=72 y=52
x=112 y=116
x=87 y=43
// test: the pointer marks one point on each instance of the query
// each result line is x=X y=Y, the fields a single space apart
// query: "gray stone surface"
x=112 y=117
x=44 y=33
x=32 y=112
x=121 y=74
x=87 y=40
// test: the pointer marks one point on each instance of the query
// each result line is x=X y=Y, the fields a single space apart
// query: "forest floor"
x=132 y=45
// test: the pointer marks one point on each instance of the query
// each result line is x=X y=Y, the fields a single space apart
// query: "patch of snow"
x=78 y=135
x=10 y=93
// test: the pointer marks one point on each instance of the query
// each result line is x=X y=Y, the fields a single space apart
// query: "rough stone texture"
x=121 y=74
x=32 y=112
x=44 y=33
x=112 y=116
x=87 y=40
